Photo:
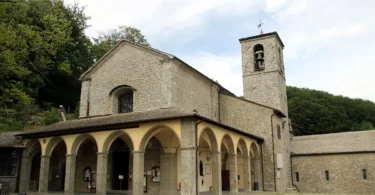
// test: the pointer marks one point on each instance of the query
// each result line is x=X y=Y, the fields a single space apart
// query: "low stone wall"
x=12 y=183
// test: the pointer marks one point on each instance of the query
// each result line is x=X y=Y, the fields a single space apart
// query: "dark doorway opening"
x=34 y=173
x=120 y=176
x=57 y=168
x=225 y=180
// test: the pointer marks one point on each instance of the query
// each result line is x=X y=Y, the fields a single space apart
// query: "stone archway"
x=255 y=167
x=209 y=162
x=56 y=181
x=243 y=161
x=84 y=150
x=161 y=144
x=229 y=164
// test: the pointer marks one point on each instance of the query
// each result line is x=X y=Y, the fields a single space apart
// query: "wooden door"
x=225 y=183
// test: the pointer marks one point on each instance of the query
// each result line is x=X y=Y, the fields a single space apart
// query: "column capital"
x=138 y=151
x=102 y=153
x=45 y=156
x=70 y=155
x=188 y=148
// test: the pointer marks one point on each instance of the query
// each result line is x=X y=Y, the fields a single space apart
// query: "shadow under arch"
x=154 y=131
x=229 y=143
x=211 y=136
x=241 y=144
x=254 y=151
x=52 y=145
x=80 y=140
x=113 y=136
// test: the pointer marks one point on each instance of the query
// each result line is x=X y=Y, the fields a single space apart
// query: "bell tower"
x=263 y=70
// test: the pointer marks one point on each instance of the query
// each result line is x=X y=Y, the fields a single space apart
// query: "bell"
x=259 y=56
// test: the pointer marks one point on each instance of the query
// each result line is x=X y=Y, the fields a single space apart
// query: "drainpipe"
x=273 y=154
x=196 y=157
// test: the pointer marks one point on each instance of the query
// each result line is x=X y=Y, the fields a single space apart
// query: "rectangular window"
x=327 y=175
x=278 y=132
x=297 y=176
x=8 y=162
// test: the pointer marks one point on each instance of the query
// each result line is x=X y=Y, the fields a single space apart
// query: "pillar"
x=168 y=177
x=232 y=164
x=138 y=172
x=216 y=173
x=257 y=173
x=70 y=171
x=188 y=157
x=101 y=173
x=247 y=172
x=44 y=173
x=24 y=174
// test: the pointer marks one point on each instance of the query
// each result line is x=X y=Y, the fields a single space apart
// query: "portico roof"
x=120 y=121
x=7 y=140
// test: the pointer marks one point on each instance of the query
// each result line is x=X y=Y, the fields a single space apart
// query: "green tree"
x=106 y=40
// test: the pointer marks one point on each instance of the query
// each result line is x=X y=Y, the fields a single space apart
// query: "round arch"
x=52 y=144
x=32 y=146
x=254 y=151
x=243 y=147
x=229 y=143
x=79 y=140
x=211 y=136
x=165 y=141
x=113 y=136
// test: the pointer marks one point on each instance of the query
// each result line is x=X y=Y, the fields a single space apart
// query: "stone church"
x=150 y=123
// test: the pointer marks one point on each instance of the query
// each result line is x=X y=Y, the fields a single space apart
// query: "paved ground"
x=125 y=193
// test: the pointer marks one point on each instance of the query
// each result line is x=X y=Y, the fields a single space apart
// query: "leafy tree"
x=318 y=112
x=106 y=40
x=49 y=117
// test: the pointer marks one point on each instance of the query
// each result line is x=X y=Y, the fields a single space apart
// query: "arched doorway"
x=243 y=166
x=255 y=164
x=34 y=162
x=119 y=163
x=161 y=145
x=229 y=165
x=56 y=179
x=209 y=175
x=85 y=167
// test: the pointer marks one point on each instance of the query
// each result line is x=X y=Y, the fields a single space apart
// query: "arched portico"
x=229 y=162
x=255 y=168
x=210 y=168
x=161 y=144
x=30 y=166
x=244 y=165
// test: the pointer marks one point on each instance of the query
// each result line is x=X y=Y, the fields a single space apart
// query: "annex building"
x=150 y=123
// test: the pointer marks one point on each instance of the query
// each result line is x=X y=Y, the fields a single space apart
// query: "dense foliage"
x=318 y=112
x=43 y=51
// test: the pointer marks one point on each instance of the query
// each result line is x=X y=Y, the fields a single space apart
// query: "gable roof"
x=120 y=121
x=163 y=54
x=334 y=143
x=8 y=140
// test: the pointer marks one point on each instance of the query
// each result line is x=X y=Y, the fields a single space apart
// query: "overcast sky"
x=329 y=45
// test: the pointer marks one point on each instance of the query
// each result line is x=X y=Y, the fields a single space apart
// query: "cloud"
x=328 y=42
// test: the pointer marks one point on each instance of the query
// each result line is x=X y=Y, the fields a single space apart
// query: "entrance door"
x=225 y=183
x=120 y=167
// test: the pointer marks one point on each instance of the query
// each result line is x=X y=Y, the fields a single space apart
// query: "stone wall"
x=191 y=91
x=256 y=120
x=129 y=65
x=12 y=183
x=345 y=173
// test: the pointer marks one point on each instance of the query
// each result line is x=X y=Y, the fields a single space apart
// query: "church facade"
x=150 y=123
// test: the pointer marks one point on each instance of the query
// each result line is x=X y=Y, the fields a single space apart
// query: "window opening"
x=259 y=57
x=126 y=102
x=364 y=174
x=278 y=132
x=327 y=175
x=297 y=176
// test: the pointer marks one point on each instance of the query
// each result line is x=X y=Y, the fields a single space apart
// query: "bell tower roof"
x=262 y=36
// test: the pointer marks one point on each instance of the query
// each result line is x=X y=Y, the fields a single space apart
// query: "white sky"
x=329 y=45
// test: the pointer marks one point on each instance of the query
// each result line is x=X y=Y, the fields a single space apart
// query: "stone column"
x=44 y=173
x=188 y=157
x=247 y=172
x=216 y=173
x=257 y=174
x=232 y=164
x=168 y=177
x=24 y=174
x=70 y=171
x=138 y=172
x=101 y=173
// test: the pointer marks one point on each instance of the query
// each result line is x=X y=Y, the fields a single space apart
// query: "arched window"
x=259 y=57
x=201 y=168
x=122 y=99
x=327 y=175
x=364 y=174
